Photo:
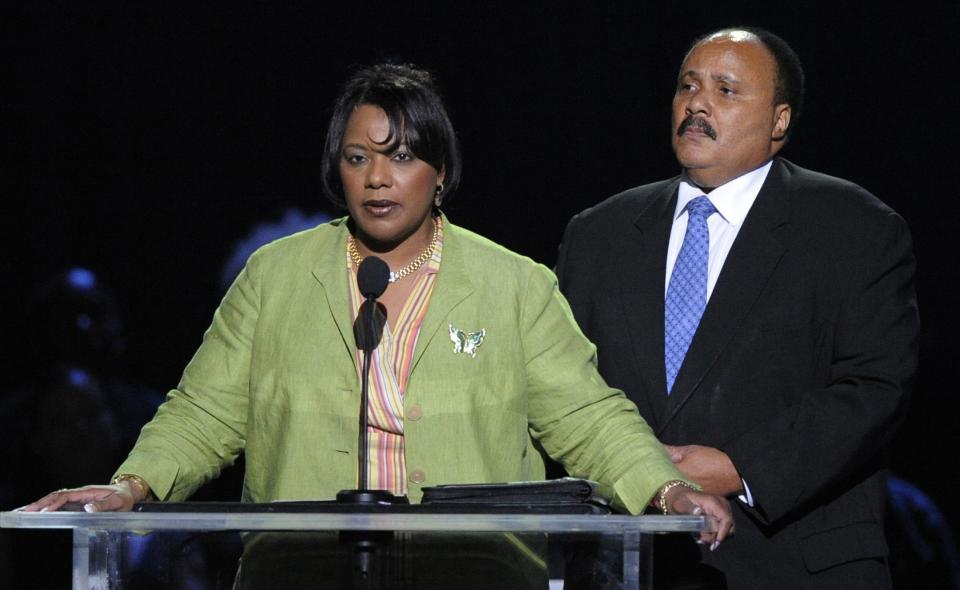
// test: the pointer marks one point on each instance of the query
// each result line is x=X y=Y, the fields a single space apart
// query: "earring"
x=438 y=195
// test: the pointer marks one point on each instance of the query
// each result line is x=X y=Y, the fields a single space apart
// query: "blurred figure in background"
x=923 y=550
x=71 y=392
x=69 y=415
x=73 y=322
x=262 y=233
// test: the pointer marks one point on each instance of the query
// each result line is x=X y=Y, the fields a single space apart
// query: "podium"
x=104 y=542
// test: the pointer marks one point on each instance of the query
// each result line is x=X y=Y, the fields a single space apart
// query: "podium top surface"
x=279 y=520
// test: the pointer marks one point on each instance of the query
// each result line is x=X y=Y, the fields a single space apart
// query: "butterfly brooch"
x=466 y=342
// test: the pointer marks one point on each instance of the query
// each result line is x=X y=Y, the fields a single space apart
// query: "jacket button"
x=414 y=412
x=418 y=476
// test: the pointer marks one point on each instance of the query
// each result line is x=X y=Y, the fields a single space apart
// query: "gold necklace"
x=414 y=264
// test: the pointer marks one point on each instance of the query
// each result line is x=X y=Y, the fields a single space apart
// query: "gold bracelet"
x=137 y=480
x=666 y=488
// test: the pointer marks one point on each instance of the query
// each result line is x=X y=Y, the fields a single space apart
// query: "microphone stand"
x=372 y=275
x=364 y=495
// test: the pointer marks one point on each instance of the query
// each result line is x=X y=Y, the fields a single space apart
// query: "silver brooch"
x=466 y=342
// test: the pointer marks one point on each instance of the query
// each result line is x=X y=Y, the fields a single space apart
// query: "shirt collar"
x=732 y=200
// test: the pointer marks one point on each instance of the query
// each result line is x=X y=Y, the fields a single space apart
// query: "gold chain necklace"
x=414 y=264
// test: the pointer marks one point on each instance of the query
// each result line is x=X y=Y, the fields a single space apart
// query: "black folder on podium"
x=566 y=496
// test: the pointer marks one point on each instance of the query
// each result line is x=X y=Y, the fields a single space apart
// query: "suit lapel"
x=330 y=271
x=642 y=266
x=752 y=259
x=452 y=287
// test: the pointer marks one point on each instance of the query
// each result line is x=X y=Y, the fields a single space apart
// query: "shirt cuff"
x=746 y=497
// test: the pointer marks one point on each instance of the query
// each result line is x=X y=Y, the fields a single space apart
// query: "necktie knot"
x=701 y=207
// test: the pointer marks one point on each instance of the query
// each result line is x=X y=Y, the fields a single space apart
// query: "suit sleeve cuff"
x=746 y=497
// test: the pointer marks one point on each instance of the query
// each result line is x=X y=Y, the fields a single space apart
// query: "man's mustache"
x=699 y=123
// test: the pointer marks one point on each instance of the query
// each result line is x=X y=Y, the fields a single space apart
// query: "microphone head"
x=373 y=274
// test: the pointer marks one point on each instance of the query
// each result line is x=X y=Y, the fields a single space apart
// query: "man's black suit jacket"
x=799 y=370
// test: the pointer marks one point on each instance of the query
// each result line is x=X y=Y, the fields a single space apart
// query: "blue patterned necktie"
x=687 y=293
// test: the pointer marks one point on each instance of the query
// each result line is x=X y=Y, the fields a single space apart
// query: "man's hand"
x=709 y=467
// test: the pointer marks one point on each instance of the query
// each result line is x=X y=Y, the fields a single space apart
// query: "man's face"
x=724 y=118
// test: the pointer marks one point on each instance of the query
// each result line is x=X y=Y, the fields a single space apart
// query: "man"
x=763 y=318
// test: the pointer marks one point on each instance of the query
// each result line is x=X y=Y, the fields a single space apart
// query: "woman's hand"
x=118 y=497
x=683 y=500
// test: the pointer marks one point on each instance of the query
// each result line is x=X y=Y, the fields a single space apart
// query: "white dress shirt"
x=733 y=201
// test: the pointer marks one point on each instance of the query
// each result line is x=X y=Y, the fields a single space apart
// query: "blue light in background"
x=81 y=278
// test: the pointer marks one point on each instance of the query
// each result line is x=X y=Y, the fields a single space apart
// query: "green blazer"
x=275 y=378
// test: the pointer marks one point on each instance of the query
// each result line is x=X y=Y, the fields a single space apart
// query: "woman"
x=480 y=365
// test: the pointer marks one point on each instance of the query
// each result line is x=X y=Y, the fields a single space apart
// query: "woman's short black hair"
x=417 y=115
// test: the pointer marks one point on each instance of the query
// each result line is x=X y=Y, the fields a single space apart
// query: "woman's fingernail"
x=713 y=547
x=45 y=509
x=91 y=507
x=697 y=511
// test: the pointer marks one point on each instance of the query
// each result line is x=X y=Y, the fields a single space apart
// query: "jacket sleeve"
x=592 y=429
x=831 y=433
x=201 y=427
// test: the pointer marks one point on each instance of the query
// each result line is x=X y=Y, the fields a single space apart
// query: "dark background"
x=143 y=141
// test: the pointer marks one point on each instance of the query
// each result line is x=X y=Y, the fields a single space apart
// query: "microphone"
x=373 y=274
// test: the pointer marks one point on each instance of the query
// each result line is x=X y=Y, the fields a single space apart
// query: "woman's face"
x=389 y=191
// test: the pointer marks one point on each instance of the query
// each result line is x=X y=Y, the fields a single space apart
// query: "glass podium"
x=110 y=548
